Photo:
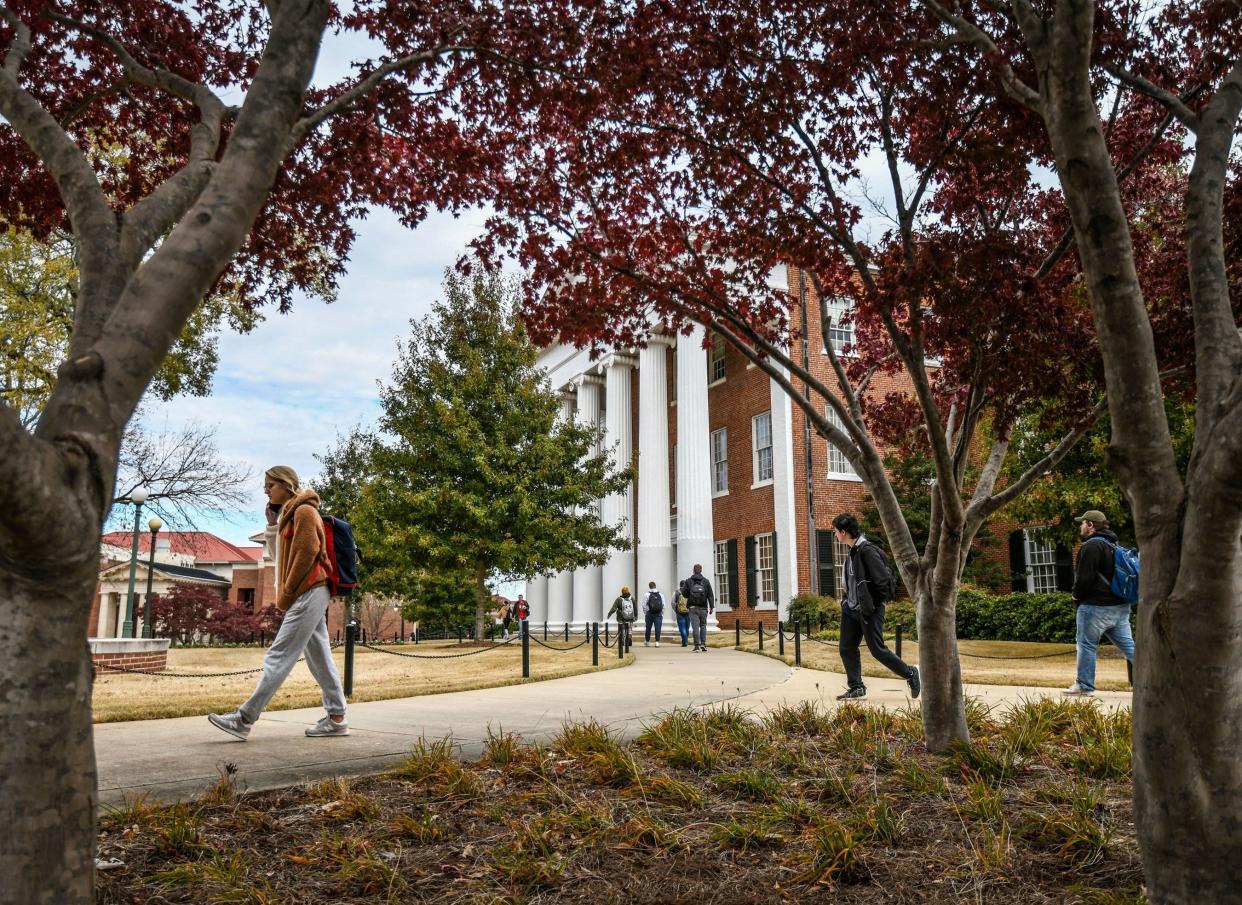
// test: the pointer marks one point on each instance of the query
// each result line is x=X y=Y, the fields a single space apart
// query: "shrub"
x=818 y=607
x=1015 y=617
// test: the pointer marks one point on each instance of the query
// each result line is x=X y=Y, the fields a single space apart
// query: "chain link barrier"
x=470 y=653
x=561 y=649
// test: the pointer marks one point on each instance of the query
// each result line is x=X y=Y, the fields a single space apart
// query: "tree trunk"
x=482 y=606
x=47 y=760
x=944 y=709
x=1188 y=718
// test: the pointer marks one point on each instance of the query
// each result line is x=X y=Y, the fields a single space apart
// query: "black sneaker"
x=915 y=683
x=851 y=694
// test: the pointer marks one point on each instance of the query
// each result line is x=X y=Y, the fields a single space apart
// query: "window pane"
x=761 y=427
x=716 y=368
x=720 y=461
x=837 y=463
x=722 y=574
x=1041 y=559
x=766 y=571
x=839 y=334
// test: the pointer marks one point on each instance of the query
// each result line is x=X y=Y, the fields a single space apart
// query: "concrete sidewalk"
x=179 y=758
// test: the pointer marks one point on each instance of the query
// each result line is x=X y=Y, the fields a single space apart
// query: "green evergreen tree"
x=473 y=473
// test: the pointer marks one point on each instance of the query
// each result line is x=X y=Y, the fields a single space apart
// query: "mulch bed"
x=706 y=807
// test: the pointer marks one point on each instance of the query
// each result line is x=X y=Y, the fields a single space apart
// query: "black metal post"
x=545 y=630
x=761 y=634
x=525 y=650
x=737 y=632
x=780 y=637
x=594 y=630
x=1130 y=672
x=797 y=642
x=606 y=634
x=567 y=630
x=897 y=643
x=351 y=631
x=148 y=629
x=620 y=640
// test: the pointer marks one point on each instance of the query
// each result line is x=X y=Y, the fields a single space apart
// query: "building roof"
x=175 y=573
x=202 y=545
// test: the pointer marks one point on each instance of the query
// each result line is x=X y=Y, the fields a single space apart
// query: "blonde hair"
x=283 y=474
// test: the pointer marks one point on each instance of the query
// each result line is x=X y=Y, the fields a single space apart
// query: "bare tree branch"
x=1175 y=105
x=1014 y=86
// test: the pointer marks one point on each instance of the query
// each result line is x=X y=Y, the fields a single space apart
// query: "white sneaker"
x=646 y=644
x=326 y=728
x=657 y=644
x=1077 y=691
x=232 y=723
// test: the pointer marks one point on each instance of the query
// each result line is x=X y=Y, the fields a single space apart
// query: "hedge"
x=981 y=616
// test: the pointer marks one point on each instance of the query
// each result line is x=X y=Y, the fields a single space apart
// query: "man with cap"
x=295 y=541
x=1101 y=613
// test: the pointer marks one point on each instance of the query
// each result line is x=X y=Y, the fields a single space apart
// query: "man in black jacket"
x=868 y=585
x=1101 y=613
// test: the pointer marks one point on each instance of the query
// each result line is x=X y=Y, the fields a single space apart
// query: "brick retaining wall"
x=147 y=654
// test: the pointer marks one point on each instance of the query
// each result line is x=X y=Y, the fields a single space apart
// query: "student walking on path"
x=868 y=586
x=1101 y=613
x=294 y=539
x=653 y=613
x=626 y=612
x=701 y=600
x=681 y=609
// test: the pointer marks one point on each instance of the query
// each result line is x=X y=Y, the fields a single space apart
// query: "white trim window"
x=842 y=551
x=839 y=466
x=716 y=362
x=720 y=462
x=840 y=334
x=1041 y=563
x=761 y=445
x=765 y=568
x=722 y=576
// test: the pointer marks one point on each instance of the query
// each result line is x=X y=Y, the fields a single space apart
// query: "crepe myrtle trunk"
x=47 y=760
x=1188 y=716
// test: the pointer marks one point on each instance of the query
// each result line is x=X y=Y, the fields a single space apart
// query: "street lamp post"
x=138 y=497
x=148 y=630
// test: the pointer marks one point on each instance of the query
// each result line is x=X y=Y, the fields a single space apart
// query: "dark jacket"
x=616 y=609
x=707 y=586
x=1094 y=570
x=865 y=563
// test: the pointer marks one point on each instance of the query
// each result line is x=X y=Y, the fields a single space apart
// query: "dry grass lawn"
x=377 y=677
x=1022 y=663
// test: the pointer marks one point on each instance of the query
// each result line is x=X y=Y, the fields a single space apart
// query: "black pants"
x=853 y=630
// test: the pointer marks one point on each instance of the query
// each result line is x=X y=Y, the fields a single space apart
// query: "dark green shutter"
x=776 y=572
x=1065 y=568
x=1017 y=560
x=731 y=570
x=752 y=591
x=827 y=563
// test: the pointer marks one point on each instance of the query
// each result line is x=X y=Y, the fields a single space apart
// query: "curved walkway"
x=178 y=758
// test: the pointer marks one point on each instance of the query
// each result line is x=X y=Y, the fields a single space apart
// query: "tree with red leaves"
x=180 y=147
x=693 y=149
x=1065 y=62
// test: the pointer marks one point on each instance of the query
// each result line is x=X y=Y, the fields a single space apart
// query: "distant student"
x=701 y=600
x=1101 y=613
x=295 y=540
x=625 y=611
x=505 y=615
x=653 y=612
x=681 y=609
x=521 y=609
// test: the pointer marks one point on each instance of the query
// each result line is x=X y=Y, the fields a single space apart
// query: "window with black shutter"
x=1065 y=568
x=1017 y=559
x=752 y=573
x=733 y=589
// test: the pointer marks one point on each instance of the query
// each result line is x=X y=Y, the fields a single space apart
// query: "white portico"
x=668 y=516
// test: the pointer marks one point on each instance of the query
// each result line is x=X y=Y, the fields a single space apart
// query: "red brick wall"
x=149 y=662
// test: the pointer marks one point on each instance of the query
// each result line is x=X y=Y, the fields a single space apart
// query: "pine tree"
x=474 y=473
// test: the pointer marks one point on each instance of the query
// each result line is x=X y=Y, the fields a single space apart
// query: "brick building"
x=730 y=474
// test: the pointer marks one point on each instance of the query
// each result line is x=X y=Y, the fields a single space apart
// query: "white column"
x=587 y=589
x=561 y=585
x=655 y=544
x=617 y=509
x=695 y=532
x=537 y=598
x=101 y=625
x=784 y=512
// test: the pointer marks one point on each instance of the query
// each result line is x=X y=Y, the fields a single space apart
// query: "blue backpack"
x=1125 y=580
x=344 y=555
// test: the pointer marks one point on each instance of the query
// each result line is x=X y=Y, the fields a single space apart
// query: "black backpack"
x=655 y=603
x=696 y=592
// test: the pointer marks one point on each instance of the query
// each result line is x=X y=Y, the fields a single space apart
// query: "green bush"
x=817 y=607
x=1015 y=617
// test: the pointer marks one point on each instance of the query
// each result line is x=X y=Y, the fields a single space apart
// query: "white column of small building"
x=560 y=585
x=785 y=518
x=654 y=540
x=695 y=531
x=586 y=584
x=617 y=508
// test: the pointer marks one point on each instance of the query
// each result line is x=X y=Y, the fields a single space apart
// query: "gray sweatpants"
x=304 y=630
x=698 y=622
